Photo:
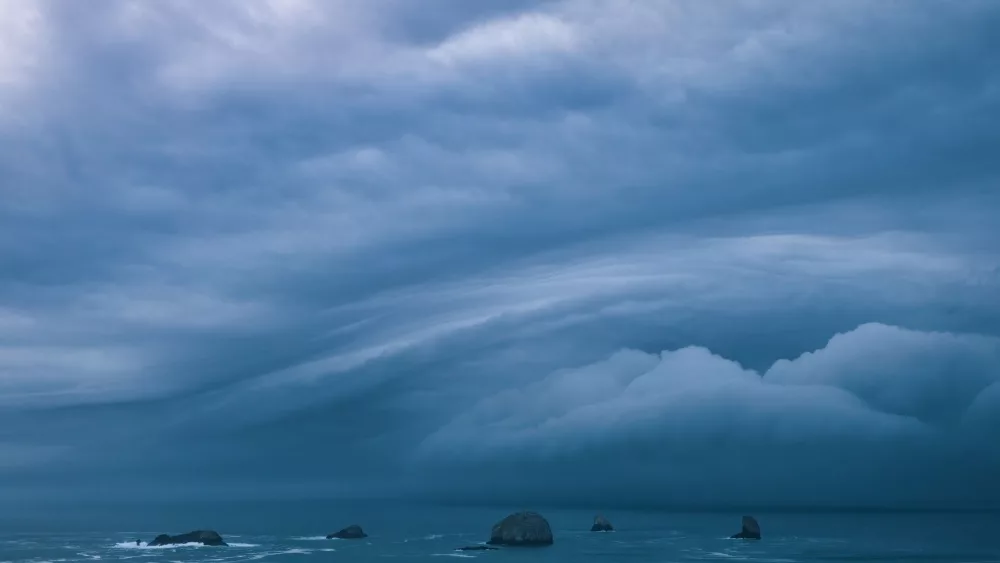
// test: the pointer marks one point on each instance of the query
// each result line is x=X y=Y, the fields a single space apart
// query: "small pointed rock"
x=750 y=531
x=601 y=524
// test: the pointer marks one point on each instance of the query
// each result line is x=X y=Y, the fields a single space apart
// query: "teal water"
x=278 y=532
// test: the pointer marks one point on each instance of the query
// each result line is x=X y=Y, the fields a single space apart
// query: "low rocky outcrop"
x=750 y=531
x=352 y=532
x=522 y=529
x=601 y=524
x=478 y=548
x=204 y=537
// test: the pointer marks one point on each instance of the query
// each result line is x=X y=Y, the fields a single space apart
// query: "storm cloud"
x=575 y=251
x=843 y=425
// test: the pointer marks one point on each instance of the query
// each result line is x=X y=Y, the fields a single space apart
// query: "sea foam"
x=144 y=545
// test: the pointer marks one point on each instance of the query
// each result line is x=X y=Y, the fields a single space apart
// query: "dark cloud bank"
x=575 y=252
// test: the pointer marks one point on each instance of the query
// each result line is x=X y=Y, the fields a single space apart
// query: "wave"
x=462 y=555
x=144 y=545
x=425 y=538
x=267 y=554
x=313 y=538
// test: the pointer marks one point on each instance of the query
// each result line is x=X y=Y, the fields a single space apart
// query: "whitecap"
x=462 y=555
x=314 y=538
x=144 y=545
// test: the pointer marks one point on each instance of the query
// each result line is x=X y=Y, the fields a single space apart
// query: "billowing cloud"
x=846 y=424
x=702 y=240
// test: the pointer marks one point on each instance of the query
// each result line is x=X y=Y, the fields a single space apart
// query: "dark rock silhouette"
x=750 y=531
x=478 y=548
x=204 y=537
x=601 y=524
x=522 y=529
x=352 y=532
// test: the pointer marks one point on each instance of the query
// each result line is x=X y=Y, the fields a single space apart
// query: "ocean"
x=294 y=532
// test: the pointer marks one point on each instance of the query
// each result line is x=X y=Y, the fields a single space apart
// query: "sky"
x=580 y=252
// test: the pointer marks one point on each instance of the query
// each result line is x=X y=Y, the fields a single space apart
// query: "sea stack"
x=522 y=529
x=601 y=524
x=352 y=532
x=750 y=531
x=204 y=537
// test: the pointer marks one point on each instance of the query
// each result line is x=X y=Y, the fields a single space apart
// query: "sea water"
x=295 y=532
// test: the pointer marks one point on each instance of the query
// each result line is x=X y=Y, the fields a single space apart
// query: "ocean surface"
x=293 y=532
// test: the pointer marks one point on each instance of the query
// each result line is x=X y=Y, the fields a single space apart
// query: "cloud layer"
x=844 y=425
x=294 y=247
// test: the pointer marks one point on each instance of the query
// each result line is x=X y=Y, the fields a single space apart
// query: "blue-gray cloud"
x=333 y=233
x=847 y=424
